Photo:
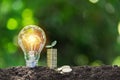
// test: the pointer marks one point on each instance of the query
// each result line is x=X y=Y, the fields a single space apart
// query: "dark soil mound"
x=78 y=73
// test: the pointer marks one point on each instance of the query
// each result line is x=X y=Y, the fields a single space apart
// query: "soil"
x=44 y=73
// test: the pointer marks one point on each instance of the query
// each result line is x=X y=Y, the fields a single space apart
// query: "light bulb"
x=32 y=40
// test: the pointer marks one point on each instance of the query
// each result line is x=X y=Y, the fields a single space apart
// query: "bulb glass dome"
x=32 y=40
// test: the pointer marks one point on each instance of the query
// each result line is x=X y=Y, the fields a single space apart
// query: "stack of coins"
x=52 y=58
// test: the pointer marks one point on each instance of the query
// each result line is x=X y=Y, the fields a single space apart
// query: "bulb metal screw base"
x=31 y=62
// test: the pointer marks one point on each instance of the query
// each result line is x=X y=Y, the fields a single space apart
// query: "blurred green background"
x=87 y=31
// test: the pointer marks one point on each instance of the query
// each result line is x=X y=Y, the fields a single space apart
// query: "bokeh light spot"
x=119 y=28
x=28 y=21
x=27 y=13
x=27 y=16
x=2 y=62
x=10 y=47
x=12 y=24
x=5 y=6
x=17 y=5
x=93 y=1
x=109 y=8
x=81 y=59
x=116 y=61
x=96 y=63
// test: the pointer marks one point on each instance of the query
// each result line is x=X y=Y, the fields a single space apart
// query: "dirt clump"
x=44 y=73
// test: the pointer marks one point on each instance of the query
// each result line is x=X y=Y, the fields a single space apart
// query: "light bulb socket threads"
x=31 y=63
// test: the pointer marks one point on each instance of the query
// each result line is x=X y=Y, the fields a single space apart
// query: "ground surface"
x=78 y=73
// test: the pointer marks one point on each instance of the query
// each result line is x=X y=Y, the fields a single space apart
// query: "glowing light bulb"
x=32 y=40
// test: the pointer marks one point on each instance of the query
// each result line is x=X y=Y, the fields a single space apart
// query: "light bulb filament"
x=32 y=40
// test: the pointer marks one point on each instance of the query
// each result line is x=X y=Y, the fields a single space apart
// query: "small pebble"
x=59 y=69
x=64 y=69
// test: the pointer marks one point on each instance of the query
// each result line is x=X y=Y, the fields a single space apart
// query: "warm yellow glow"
x=32 y=39
x=119 y=28
x=93 y=1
